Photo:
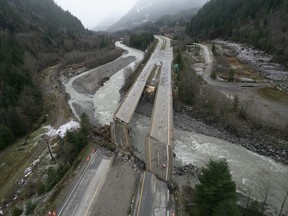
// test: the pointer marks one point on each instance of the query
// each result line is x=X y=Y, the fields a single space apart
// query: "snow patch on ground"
x=61 y=131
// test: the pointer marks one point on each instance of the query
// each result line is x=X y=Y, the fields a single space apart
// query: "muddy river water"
x=251 y=172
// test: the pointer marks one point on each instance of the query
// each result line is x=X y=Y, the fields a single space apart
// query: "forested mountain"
x=260 y=23
x=33 y=34
x=151 y=10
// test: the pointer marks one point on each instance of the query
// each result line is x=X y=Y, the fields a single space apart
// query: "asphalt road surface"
x=80 y=199
x=159 y=158
x=153 y=198
x=162 y=116
x=127 y=108
x=159 y=143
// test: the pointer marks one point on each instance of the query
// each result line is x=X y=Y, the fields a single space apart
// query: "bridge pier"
x=120 y=135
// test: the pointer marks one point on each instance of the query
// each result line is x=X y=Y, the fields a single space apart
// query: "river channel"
x=251 y=172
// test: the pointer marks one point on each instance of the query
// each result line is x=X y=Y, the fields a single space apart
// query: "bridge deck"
x=159 y=143
x=126 y=110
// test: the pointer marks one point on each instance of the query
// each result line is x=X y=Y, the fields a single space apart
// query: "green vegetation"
x=30 y=207
x=34 y=35
x=74 y=141
x=168 y=22
x=51 y=179
x=20 y=101
x=254 y=209
x=40 y=187
x=6 y=137
x=216 y=192
x=274 y=94
x=213 y=75
x=141 y=41
x=17 y=211
x=130 y=76
x=213 y=49
x=178 y=61
x=186 y=80
x=70 y=147
x=261 y=23
x=231 y=77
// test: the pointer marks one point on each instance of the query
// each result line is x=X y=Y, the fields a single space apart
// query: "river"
x=105 y=101
x=250 y=171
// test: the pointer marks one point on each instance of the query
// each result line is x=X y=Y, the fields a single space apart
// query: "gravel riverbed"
x=188 y=119
x=91 y=82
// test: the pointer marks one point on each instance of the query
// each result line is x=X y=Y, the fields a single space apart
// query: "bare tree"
x=247 y=203
x=283 y=204
x=267 y=188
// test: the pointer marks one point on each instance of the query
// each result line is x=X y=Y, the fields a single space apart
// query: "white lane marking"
x=64 y=206
x=75 y=209
x=100 y=184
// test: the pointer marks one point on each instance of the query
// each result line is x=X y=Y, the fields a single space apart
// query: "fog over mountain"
x=108 y=21
x=151 y=10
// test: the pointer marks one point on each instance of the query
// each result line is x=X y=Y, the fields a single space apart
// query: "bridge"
x=159 y=142
x=124 y=113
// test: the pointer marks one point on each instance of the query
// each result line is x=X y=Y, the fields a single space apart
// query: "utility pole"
x=47 y=143
x=265 y=198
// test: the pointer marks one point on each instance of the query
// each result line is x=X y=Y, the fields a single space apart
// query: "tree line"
x=34 y=35
x=260 y=23
x=20 y=100
x=141 y=41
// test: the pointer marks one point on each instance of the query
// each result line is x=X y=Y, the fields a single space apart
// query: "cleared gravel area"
x=90 y=83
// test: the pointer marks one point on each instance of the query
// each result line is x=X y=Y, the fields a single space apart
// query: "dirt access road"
x=257 y=107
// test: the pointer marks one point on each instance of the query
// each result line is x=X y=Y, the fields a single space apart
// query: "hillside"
x=149 y=11
x=260 y=23
x=33 y=35
x=108 y=21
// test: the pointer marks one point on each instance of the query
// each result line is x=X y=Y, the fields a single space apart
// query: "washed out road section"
x=116 y=194
x=153 y=198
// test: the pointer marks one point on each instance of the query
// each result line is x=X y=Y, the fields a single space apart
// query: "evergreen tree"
x=260 y=23
x=226 y=208
x=216 y=193
x=141 y=41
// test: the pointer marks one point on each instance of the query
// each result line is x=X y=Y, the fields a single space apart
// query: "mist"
x=96 y=12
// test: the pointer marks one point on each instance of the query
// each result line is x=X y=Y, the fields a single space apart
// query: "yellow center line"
x=149 y=153
x=155 y=185
x=167 y=166
x=169 y=116
x=141 y=193
x=169 y=126
x=100 y=183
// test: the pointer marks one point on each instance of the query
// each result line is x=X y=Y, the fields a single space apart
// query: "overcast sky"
x=91 y=12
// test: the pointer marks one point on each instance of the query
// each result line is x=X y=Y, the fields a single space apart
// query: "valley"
x=129 y=121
